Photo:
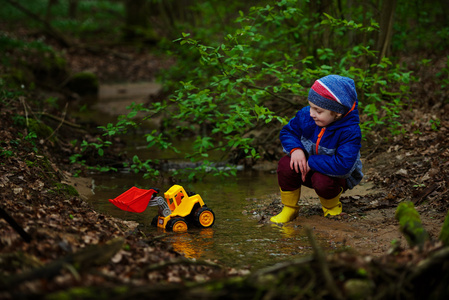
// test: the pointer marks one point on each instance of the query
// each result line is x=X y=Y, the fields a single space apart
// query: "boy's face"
x=321 y=116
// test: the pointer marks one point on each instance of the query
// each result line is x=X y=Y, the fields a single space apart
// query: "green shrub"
x=245 y=83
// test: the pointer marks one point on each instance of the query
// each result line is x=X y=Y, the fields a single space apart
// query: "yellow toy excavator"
x=178 y=210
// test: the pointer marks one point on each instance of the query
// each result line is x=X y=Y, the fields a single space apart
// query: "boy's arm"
x=342 y=162
x=290 y=134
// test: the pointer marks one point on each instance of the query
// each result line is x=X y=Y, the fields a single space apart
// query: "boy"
x=323 y=144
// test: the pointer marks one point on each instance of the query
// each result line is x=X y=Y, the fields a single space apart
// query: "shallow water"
x=235 y=239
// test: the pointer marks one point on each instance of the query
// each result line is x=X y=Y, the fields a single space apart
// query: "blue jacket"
x=336 y=153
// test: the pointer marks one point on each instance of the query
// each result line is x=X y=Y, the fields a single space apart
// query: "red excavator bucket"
x=134 y=199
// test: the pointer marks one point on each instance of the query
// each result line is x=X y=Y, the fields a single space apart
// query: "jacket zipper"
x=320 y=135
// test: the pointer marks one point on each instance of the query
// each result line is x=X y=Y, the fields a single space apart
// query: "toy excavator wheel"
x=177 y=225
x=204 y=217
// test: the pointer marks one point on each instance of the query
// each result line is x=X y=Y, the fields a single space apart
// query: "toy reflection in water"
x=192 y=245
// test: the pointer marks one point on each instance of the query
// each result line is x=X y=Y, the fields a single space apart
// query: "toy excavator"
x=177 y=211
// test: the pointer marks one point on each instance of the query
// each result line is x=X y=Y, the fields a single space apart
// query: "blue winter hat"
x=334 y=92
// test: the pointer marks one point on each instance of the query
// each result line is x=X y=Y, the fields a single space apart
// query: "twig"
x=272 y=94
x=59 y=119
x=22 y=100
x=60 y=123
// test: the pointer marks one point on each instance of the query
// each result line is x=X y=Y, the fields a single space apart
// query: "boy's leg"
x=290 y=185
x=329 y=190
x=288 y=179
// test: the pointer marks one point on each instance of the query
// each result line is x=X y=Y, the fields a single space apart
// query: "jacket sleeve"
x=290 y=134
x=344 y=159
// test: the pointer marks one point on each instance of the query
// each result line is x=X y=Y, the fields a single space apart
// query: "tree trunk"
x=137 y=19
x=386 y=28
x=73 y=8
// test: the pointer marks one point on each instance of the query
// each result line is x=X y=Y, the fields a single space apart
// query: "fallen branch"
x=85 y=259
x=23 y=234
x=58 y=119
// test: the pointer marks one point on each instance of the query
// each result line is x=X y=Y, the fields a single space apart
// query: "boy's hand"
x=298 y=162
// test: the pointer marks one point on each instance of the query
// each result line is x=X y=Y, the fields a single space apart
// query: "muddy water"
x=236 y=239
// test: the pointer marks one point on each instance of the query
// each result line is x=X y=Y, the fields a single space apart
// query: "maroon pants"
x=325 y=186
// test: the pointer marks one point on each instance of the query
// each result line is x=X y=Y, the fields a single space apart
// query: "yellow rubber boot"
x=332 y=206
x=290 y=209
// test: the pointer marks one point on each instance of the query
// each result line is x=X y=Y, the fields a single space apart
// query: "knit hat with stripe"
x=333 y=92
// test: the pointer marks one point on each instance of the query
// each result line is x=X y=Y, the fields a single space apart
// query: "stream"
x=236 y=239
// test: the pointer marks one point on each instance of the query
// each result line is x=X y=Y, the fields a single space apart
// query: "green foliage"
x=420 y=25
x=92 y=149
x=236 y=79
x=5 y=152
x=242 y=82
x=145 y=167
x=92 y=17
x=239 y=80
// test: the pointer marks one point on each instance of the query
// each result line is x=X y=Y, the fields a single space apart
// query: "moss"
x=38 y=127
x=410 y=224
x=66 y=189
x=83 y=83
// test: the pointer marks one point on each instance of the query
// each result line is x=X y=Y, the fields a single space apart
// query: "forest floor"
x=63 y=231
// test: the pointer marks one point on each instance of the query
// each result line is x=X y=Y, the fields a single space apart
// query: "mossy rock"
x=38 y=127
x=66 y=189
x=83 y=83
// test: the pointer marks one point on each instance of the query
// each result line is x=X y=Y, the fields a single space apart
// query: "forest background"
x=241 y=69
x=232 y=73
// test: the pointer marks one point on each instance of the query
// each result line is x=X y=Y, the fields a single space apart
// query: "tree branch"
x=52 y=31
